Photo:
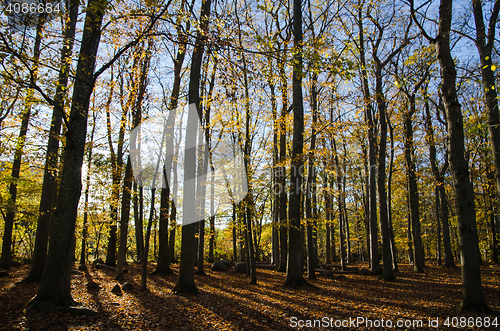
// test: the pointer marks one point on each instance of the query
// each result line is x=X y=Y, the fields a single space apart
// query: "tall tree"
x=472 y=291
x=416 y=78
x=164 y=252
x=185 y=282
x=439 y=177
x=380 y=64
x=52 y=154
x=139 y=83
x=294 y=276
x=485 y=39
x=90 y=148
x=6 y=257
x=54 y=290
x=372 y=144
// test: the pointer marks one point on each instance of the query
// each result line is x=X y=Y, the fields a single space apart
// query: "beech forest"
x=249 y=165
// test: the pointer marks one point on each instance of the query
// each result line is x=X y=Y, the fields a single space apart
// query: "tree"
x=51 y=157
x=372 y=145
x=5 y=258
x=416 y=78
x=54 y=290
x=472 y=291
x=90 y=148
x=185 y=282
x=439 y=176
x=388 y=273
x=139 y=82
x=484 y=43
x=294 y=276
x=164 y=251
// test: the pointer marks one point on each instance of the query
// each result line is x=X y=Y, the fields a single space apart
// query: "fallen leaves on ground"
x=228 y=302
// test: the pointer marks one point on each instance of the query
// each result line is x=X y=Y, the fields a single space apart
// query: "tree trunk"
x=485 y=43
x=372 y=154
x=311 y=179
x=438 y=227
x=344 y=208
x=327 y=217
x=418 y=262
x=138 y=218
x=388 y=273
x=165 y=251
x=294 y=276
x=440 y=188
x=185 y=282
x=251 y=251
x=54 y=290
x=341 y=208
x=90 y=147
x=45 y=211
x=163 y=263
x=394 y=253
x=124 y=218
x=234 y=225
x=408 y=232
x=116 y=178
x=173 y=226
x=283 y=219
x=472 y=292
x=6 y=257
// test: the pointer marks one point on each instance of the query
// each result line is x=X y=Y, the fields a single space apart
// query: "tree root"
x=162 y=271
x=49 y=305
x=297 y=282
x=182 y=288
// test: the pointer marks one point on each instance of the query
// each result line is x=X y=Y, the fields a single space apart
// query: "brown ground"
x=227 y=302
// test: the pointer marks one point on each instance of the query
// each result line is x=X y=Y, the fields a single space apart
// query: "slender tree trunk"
x=388 y=273
x=372 y=154
x=283 y=197
x=327 y=218
x=173 y=214
x=311 y=178
x=485 y=43
x=163 y=264
x=116 y=178
x=204 y=164
x=418 y=261
x=165 y=252
x=90 y=147
x=125 y=216
x=409 y=232
x=234 y=226
x=211 y=244
x=440 y=188
x=294 y=276
x=251 y=252
x=171 y=238
x=389 y=197
x=6 y=257
x=185 y=282
x=341 y=209
x=344 y=207
x=139 y=234
x=491 y=213
x=438 y=227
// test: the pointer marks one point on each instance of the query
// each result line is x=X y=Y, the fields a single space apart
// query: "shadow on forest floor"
x=228 y=302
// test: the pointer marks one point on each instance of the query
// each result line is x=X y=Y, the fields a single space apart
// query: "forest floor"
x=228 y=302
